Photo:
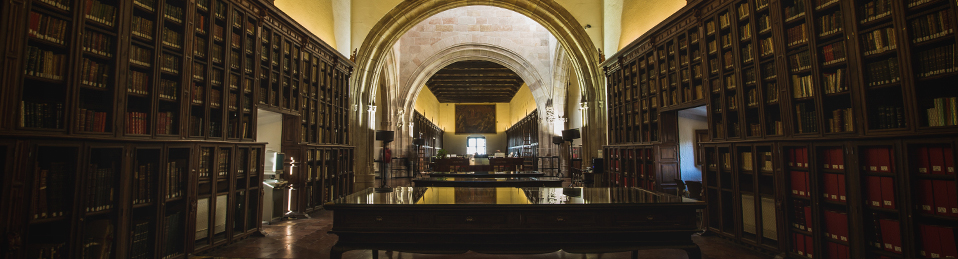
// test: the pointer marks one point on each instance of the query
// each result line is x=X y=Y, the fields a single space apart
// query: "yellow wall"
x=315 y=15
x=638 y=16
x=428 y=105
x=521 y=105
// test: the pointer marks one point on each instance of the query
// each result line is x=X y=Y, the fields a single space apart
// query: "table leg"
x=694 y=252
x=375 y=254
x=635 y=254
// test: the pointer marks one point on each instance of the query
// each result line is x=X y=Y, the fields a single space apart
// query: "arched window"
x=476 y=145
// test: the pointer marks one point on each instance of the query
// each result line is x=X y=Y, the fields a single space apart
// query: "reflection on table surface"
x=487 y=173
x=488 y=179
x=509 y=196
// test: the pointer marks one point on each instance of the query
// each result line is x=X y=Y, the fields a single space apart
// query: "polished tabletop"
x=503 y=178
x=487 y=174
x=509 y=196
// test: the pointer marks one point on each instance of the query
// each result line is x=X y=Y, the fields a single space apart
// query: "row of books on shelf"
x=173 y=234
x=842 y=120
x=100 y=188
x=223 y=164
x=173 y=13
x=94 y=74
x=937 y=197
x=100 y=12
x=142 y=27
x=62 y=4
x=834 y=82
x=200 y=23
x=876 y=9
x=97 y=43
x=800 y=61
x=805 y=118
x=802 y=86
x=138 y=83
x=937 y=241
x=169 y=89
x=886 y=234
x=800 y=183
x=944 y=112
x=878 y=159
x=141 y=247
x=743 y=10
x=170 y=64
x=165 y=123
x=49 y=198
x=803 y=245
x=137 y=123
x=797 y=35
x=833 y=53
x=41 y=114
x=836 y=225
x=47 y=28
x=936 y=61
x=830 y=23
x=932 y=26
x=797 y=157
x=44 y=63
x=91 y=120
x=879 y=41
x=883 y=72
x=935 y=160
x=174 y=180
x=172 y=38
x=196 y=127
x=802 y=215
x=795 y=10
x=880 y=192
x=143 y=184
x=889 y=117
x=140 y=56
x=834 y=187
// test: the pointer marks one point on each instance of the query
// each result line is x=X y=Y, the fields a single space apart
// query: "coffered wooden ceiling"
x=474 y=81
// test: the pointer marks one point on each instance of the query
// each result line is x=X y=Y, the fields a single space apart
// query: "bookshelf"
x=523 y=137
x=430 y=133
x=830 y=89
x=140 y=115
x=630 y=166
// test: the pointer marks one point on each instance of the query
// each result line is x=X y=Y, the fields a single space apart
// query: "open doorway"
x=693 y=127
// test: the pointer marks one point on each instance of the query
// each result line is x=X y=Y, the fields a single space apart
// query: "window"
x=476 y=145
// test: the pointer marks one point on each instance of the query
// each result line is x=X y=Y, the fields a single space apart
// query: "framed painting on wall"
x=475 y=118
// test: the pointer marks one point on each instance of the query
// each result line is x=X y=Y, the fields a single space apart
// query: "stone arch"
x=472 y=51
x=551 y=15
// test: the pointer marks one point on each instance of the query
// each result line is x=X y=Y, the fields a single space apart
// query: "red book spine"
x=796 y=182
x=809 y=246
x=831 y=187
x=830 y=226
x=888 y=192
x=800 y=244
x=949 y=160
x=808 y=219
x=948 y=245
x=936 y=161
x=874 y=191
x=926 y=200
x=923 y=160
x=941 y=200
x=930 y=241
x=952 y=196
x=841 y=188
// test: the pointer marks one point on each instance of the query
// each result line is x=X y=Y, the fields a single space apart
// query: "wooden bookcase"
x=523 y=137
x=127 y=127
x=430 y=133
x=848 y=101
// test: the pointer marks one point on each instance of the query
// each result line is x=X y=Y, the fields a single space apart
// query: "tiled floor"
x=308 y=238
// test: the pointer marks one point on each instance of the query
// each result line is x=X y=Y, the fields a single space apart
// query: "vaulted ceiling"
x=474 y=81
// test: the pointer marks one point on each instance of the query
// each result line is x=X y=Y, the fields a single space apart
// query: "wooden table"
x=488 y=182
x=513 y=220
x=488 y=174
